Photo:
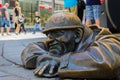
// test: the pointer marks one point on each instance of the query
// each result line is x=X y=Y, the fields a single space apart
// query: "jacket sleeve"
x=31 y=52
x=100 y=60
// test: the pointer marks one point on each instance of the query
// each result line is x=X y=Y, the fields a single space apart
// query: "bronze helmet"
x=63 y=20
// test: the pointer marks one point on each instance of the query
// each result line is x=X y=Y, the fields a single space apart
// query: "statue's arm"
x=31 y=52
x=100 y=60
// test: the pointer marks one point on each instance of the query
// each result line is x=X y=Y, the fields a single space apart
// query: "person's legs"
x=0 y=21
x=2 y=31
x=40 y=27
x=23 y=27
x=89 y=15
x=34 y=29
x=17 y=28
x=88 y=22
x=80 y=13
x=97 y=21
x=8 y=30
x=2 y=26
x=96 y=11
x=15 y=25
x=81 y=6
x=8 y=27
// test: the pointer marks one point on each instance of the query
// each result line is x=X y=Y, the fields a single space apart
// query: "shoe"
x=16 y=33
x=25 y=32
x=33 y=33
x=8 y=34
x=2 y=34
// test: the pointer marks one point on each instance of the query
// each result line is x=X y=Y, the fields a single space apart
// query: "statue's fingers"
x=41 y=71
x=37 y=70
x=51 y=71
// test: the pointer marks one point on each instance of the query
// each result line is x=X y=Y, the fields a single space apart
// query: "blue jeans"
x=93 y=12
x=5 y=22
x=0 y=21
x=37 y=25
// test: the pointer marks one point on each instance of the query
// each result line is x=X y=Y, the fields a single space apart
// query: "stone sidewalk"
x=11 y=47
x=11 y=67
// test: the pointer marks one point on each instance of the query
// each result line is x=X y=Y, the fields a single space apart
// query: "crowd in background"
x=16 y=19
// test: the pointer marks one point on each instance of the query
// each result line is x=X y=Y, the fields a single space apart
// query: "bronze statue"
x=73 y=50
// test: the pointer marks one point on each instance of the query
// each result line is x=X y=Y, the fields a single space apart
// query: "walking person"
x=80 y=8
x=21 y=21
x=93 y=12
x=71 y=6
x=5 y=20
x=75 y=6
x=0 y=17
x=37 y=23
x=16 y=15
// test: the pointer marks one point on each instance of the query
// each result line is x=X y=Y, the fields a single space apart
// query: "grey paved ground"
x=10 y=56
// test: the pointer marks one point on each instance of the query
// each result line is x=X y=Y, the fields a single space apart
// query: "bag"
x=81 y=4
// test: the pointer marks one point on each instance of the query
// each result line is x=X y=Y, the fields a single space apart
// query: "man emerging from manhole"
x=73 y=50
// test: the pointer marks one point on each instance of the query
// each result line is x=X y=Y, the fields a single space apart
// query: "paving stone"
x=4 y=62
x=1 y=48
x=10 y=58
x=12 y=78
x=20 y=72
x=3 y=74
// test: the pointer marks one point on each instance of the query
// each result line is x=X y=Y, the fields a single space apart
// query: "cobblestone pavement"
x=10 y=56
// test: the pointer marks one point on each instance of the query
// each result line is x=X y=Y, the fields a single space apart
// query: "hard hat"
x=63 y=20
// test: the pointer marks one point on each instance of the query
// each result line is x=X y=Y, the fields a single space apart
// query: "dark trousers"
x=22 y=27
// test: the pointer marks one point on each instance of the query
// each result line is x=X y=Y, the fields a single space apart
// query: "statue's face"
x=61 y=42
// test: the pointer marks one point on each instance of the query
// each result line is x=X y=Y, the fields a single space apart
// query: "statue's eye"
x=55 y=34
x=58 y=33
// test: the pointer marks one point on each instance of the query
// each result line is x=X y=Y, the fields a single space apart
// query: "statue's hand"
x=31 y=53
x=47 y=66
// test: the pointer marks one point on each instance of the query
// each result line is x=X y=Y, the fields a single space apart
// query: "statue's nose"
x=50 y=36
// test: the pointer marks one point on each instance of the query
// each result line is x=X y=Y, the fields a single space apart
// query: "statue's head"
x=64 y=31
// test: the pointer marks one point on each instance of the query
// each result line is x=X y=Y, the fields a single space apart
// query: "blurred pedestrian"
x=21 y=22
x=93 y=11
x=16 y=15
x=75 y=6
x=0 y=17
x=37 y=22
x=5 y=23
x=71 y=6
x=81 y=7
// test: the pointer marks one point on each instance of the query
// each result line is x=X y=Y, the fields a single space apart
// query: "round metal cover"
x=113 y=14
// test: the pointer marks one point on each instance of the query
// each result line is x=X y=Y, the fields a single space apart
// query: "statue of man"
x=72 y=50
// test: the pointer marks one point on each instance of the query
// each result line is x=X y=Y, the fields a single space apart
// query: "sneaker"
x=25 y=32
x=8 y=34
x=2 y=34
x=16 y=33
x=33 y=33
